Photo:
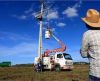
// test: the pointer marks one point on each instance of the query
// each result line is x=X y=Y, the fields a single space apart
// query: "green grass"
x=79 y=73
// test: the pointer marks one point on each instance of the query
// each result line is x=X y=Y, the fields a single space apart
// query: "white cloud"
x=14 y=36
x=72 y=11
x=29 y=10
x=53 y=29
x=34 y=14
x=23 y=48
x=61 y=24
x=27 y=13
x=23 y=17
x=53 y=15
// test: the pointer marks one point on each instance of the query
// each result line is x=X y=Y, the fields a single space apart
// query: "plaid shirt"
x=91 y=50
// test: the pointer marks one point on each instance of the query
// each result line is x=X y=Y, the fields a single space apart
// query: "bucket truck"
x=56 y=59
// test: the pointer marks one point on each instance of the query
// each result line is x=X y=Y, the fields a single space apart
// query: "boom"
x=60 y=49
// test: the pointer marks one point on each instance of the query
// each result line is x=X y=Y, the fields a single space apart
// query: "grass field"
x=79 y=73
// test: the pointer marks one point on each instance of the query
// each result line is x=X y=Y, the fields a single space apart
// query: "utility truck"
x=55 y=59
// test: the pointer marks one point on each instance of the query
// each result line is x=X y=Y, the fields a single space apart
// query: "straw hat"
x=92 y=18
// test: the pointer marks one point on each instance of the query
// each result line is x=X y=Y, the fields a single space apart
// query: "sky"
x=19 y=29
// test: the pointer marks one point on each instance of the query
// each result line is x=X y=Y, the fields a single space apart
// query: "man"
x=38 y=64
x=91 y=43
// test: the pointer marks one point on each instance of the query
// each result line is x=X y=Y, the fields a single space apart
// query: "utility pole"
x=40 y=31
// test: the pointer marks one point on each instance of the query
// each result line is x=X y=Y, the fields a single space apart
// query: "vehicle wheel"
x=71 y=70
x=57 y=68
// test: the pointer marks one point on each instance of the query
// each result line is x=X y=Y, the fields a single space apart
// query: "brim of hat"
x=95 y=25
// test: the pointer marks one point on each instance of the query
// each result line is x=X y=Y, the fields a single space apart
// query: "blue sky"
x=19 y=29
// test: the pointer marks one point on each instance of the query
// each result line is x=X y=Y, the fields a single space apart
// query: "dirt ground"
x=79 y=73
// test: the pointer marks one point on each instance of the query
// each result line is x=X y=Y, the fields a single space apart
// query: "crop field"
x=79 y=73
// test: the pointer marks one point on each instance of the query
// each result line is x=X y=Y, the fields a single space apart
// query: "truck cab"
x=63 y=61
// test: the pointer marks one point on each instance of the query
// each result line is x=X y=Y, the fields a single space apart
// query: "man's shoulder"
x=88 y=32
x=92 y=32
